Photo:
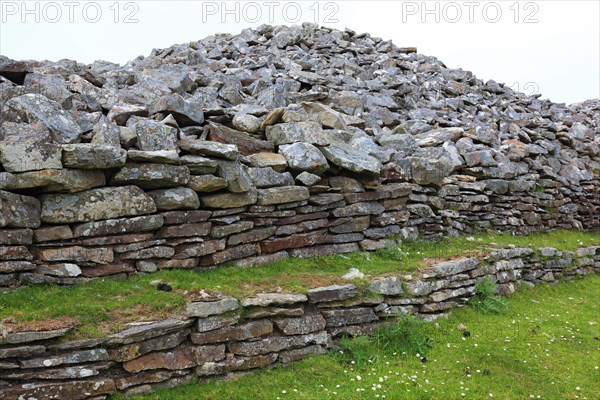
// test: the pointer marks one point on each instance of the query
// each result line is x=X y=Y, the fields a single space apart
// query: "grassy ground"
x=105 y=305
x=532 y=351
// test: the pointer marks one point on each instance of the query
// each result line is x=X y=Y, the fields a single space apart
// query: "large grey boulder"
x=304 y=157
x=36 y=108
x=351 y=159
x=185 y=112
x=293 y=132
x=18 y=211
x=29 y=156
x=96 y=204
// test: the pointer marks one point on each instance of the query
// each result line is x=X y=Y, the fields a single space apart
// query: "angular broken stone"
x=207 y=183
x=96 y=204
x=263 y=160
x=157 y=156
x=92 y=156
x=152 y=176
x=53 y=180
x=205 y=309
x=116 y=226
x=185 y=112
x=36 y=108
x=155 y=136
x=300 y=326
x=270 y=299
x=203 y=147
x=268 y=177
x=352 y=160
x=389 y=286
x=175 y=199
x=293 y=132
x=308 y=179
x=238 y=180
x=332 y=293
x=246 y=122
x=281 y=195
x=29 y=156
x=246 y=144
x=304 y=157
x=18 y=211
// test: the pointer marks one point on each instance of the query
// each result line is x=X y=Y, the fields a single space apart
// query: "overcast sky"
x=548 y=47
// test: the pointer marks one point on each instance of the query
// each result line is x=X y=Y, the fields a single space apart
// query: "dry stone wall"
x=277 y=142
x=224 y=336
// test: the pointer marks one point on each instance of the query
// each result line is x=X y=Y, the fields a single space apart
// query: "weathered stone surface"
x=288 y=356
x=226 y=230
x=207 y=183
x=308 y=179
x=53 y=180
x=121 y=225
x=352 y=160
x=304 y=157
x=96 y=204
x=328 y=249
x=15 y=266
x=29 y=156
x=245 y=143
x=16 y=237
x=199 y=164
x=268 y=177
x=246 y=122
x=75 y=390
x=198 y=249
x=76 y=254
x=254 y=235
x=182 y=357
x=92 y=156
x=147 y=331
x=229 y=200
x=332 y=293
x=75 y=357
x=390 y=286
x=300 y=326
x=282 y=195
x=351 y=224
x=22 y=351
x=293 y=132
x=72 y=372
x=203 y=147
x=269 y=312
x=249 y=330
x=237 y=178
x=275 y=344
x=64 y=270
x=270 y=299
x=444 y=295
x=134 y=350
x=216 y=322
x=205 y=309
x=356 y=209
x=263 y=160
x=156 y=156
x=152 y=176
x=155 y=136
x=35 y=108
x=231 y=253
x=179 y=198
x=349 y=316
x=192 y=229
x=293 y=241
x=236 y=364
x=185 y=112
x=453 y=267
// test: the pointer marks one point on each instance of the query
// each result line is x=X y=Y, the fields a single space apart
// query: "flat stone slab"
x=96 y=204
x=270 y=299
x=148 y=331
x=92 y=156
x=29 y=156
x=332 y=293
x=152 y=176
x=205 y=309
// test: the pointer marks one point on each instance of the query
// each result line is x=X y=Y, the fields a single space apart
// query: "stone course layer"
x=277 y=142
x=224 y=336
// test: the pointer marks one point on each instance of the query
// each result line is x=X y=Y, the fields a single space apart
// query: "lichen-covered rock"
x=36 y=108
x=263 y=160
x=352 y=160
x=18 y=211
x=29 y=156
x=293 y=132
x=155 y=136
x=92 y=156
x=152 y=176
x=53 y=180
x=96 y=204
x=303 y=156
x=175 y=199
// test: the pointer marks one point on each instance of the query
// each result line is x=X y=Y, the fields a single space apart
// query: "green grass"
x=531 y=351
x=104 y=305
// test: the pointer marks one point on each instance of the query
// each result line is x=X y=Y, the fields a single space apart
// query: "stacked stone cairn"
x=247 y=149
